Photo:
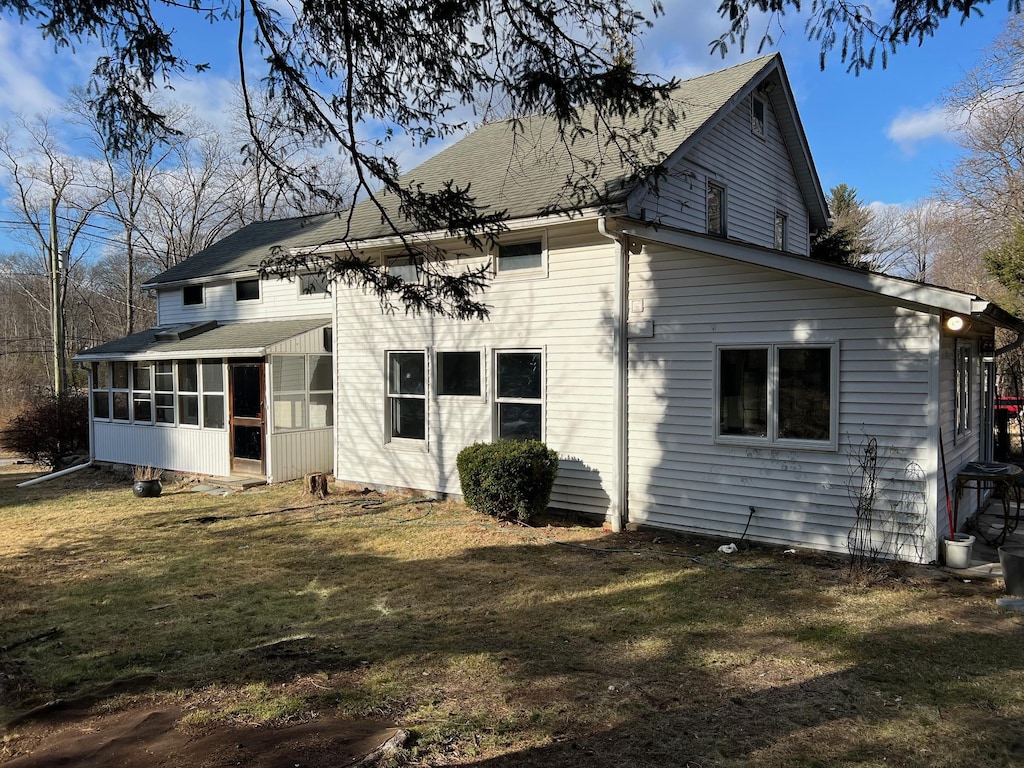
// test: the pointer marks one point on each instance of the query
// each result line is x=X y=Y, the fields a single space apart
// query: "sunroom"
x=251 y=399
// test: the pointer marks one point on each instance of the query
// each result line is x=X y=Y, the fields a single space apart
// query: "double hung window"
x=777 y=393
x=519 y=395
x=407 y=395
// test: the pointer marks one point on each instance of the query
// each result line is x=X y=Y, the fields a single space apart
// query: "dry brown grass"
x=497 y=645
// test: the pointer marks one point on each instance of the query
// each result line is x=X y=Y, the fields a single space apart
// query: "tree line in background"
x=122 y=218
x=156 y=185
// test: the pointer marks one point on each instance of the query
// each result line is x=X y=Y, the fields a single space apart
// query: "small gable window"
x=523 y=258
x=716 y=209
x=757 y=116
x=314 y=284
x=247 y=290
x=781 y=226
x=192 y=295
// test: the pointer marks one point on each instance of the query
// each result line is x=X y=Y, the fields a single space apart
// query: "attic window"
x=192 y=295
x=521 y=258
x=247 y=290
x=716 y=209
x=314 y=284
x=757 y=116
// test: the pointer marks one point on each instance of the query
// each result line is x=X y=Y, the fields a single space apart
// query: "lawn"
x=496 y=645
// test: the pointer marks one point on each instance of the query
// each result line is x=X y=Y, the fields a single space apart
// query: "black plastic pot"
x=147 y=489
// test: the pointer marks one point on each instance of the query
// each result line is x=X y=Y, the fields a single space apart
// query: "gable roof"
x=522 y=167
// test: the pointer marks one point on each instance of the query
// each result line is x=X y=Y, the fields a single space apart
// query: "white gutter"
x=620 y=351
x=54 y=475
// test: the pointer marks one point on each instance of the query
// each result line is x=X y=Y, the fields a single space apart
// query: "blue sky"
x=882 y=132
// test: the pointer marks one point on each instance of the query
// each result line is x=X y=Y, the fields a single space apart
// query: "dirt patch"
x=153 y=737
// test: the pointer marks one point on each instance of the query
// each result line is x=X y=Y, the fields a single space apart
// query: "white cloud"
x=24 y=91
x=913 y=126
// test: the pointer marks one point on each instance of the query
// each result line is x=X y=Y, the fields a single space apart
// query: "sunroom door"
x=248 y=423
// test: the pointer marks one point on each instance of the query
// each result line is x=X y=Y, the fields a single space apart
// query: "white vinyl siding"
x=756 y=172
x=565 y=315
x=681 y=477
x=279 y=300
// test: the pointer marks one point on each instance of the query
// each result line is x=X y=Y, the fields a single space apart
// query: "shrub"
x=50 y=428
x=508 y=479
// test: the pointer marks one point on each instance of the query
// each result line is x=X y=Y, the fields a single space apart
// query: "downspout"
x=620 y=358
x=54 y=475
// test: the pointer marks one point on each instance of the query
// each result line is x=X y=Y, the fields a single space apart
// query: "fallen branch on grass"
x=45 y=635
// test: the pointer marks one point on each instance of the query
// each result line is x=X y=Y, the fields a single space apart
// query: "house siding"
x=566 y=315
x=756 y=172
x=179 y=449
x=279 y=299
x=680 y=477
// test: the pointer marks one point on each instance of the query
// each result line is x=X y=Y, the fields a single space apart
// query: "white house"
x=674 y=343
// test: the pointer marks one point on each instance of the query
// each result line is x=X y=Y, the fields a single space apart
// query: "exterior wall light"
x=955 y=323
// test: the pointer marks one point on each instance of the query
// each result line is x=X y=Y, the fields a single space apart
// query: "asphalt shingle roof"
x=253 y=337
x=520 y=167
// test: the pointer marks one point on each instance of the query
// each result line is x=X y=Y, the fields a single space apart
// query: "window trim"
x=308 y=295
x=772 y=439
x=498 y=400
x=481 y=396
x=390 y=438
x=398 y=263
x=259 y=290
x=723 y=218
x=530 y=273
x=202 y=296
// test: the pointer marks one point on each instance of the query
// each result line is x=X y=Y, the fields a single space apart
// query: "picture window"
x=192 y=295
x=458 y=373
x=247 y=290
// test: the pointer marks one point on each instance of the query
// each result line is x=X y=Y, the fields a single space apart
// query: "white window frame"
x=312 y=286
x=180 y=394
x=126 y=391
x=402 y=266
x=723 y=218
x=164 y=393
x=210 y=392
x=303 y=395
x=140 y=393
x=202 y=296
x=963 y=389
x=390 y=397
x=100 y=375
x=772 y=438
x=499 y=400
x=259 y=285
x=481 y=396
x=528 y=273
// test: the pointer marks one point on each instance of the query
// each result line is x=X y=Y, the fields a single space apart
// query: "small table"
x=1003 y=478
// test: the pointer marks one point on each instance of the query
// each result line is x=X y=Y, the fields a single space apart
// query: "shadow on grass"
x=492 y=638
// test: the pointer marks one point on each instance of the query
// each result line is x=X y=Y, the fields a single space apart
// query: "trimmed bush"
x=50 y=429
x=509 y=479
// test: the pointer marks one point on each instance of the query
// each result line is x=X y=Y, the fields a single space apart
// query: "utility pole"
x=56 y=306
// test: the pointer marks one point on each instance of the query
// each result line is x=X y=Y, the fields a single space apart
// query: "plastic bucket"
x=957 y=551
